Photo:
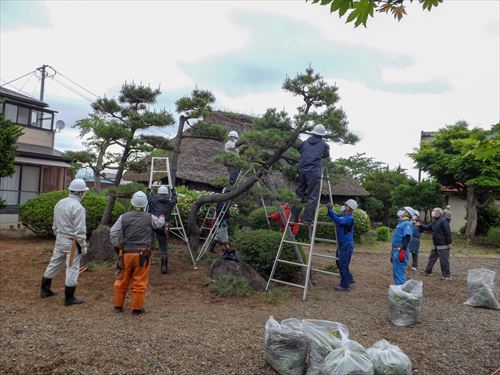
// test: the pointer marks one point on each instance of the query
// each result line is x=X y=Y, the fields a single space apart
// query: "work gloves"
x=402 y=255
x=84 y=250
x=329 y=206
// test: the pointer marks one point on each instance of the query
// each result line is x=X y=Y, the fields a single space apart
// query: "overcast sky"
x=395 y=79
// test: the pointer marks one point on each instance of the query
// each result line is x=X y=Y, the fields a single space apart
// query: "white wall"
x=8 y=221
x=458 y=212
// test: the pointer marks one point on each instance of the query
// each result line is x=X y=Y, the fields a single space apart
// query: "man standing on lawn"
x=159 y=204
x=131 y=237
x=400 y=242
x=310 y=172
x=344 y=224
x=71 y=242
x=441 y=239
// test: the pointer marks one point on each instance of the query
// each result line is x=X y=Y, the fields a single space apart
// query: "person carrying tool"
x=230 y=146
x=344 y=223
x=71 y=242
x=310 y=172
x=400 y=242
x=162 y=203
x=277 y=216
x=132 y=240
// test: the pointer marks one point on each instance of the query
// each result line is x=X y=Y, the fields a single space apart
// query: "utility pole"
x=42 y=84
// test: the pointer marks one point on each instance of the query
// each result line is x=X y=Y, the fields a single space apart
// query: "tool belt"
x=144 y=254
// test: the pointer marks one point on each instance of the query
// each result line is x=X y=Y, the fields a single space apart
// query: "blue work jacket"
x=345 y=226
x=404 y=227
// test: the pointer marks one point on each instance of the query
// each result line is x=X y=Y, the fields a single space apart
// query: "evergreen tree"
x=9 y=134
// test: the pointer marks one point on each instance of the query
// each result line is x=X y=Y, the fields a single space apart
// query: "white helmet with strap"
x=139 y=199
x=78 y=185
x=351 y=203
x=233 y=134
x=319 y=129
x=163 y=189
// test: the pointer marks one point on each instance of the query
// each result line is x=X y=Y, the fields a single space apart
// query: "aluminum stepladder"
x=285 y=239
x=218 y=220
x=178 y=228
x=208 y=222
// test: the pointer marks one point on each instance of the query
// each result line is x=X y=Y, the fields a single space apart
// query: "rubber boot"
x=45 y=288
x=69 y=296
x=230 y=255
x=164 y=264
x=138 y=312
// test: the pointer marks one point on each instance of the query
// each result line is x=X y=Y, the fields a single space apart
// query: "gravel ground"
x=187 y=330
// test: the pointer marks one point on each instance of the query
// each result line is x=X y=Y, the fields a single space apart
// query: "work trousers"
x=308 y=192
x=414 y=247
x=344 y=254
x=162 y=237
x=233 y=174
x=60 y=257
x=444 y=261
x=139 y=277
x=399 y=268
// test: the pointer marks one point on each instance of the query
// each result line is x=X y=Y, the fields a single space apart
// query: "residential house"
x=39 y=167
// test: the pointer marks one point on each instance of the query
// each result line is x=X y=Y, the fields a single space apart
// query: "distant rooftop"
x=21 y=97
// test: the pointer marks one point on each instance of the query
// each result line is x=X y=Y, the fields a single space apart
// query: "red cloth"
x=277 y=216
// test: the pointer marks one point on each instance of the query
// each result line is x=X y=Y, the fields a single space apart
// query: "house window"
x=30 y=183
x=9 y=187
x=23 y=115
x=11 y=112
x=28 y=117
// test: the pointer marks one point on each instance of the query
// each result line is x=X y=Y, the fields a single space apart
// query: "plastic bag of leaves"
x=389 y=359
x=405 y=302
x=481 y=283
x=351 y=358
x=323 y=336
x=285 y=347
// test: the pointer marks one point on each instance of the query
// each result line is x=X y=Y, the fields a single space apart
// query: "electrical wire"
x=72 y=90
x=25 y=83
x=17 y=79
x=19 y=91
x=69 y=79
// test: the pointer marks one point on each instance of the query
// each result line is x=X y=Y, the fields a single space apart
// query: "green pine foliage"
x=9 y=134
x=232 y=286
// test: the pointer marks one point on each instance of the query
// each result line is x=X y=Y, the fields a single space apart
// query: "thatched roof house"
x=196 y=168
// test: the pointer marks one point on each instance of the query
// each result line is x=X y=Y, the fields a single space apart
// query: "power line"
x=17 y=79
x=72 y=90
x=18 y=90
x=80 y=86
x=25 y=83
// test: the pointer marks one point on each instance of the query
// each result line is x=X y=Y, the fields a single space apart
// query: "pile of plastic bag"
x=405 y=303
x=324 y=348
x=481 y=283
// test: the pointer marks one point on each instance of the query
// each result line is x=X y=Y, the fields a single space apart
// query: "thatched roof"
x=197 y=154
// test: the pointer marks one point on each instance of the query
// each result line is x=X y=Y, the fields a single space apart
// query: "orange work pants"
x=139 y=277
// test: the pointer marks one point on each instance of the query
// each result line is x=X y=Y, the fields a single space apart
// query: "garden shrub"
x=487 y=217
x=383 y=233
x=493 y=237
x=258 y=248
x=37 y=213
x=232 y=286
x=362 y=223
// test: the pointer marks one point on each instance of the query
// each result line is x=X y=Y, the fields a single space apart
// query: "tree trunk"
x=470 y=229
x=385 y=218
x=106 y=216
x=177 y=149
x=98 y=169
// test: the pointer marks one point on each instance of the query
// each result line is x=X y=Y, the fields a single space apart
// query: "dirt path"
x=189 y=331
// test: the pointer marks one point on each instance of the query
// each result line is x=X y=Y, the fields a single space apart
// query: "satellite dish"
x=60 y=125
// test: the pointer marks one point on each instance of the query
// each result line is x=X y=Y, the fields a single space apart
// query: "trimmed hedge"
x=37 y=213
x=383 y=233
x=258 y=248
x=361 y=223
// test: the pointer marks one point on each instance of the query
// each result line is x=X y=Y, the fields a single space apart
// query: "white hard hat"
x=351 y=203
x=234 y=134
x=78 y=185
x=163 y=189
x=319 y=130
x=139 y=199
x=410 y=210
x=416 y=213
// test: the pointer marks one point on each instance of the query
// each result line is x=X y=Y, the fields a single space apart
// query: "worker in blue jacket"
x=310 y=170
x=400 y=242
x=344 y=224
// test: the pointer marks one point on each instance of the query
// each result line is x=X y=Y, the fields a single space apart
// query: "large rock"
x=100 y=247
x=221 y=268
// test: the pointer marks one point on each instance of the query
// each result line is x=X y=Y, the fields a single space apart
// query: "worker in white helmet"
x=71 y=242
x=132 y=240
x=231 y=147
x=312 y=151
x=344 y=223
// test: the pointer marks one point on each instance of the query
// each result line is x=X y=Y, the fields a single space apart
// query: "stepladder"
x=160 y=166
x=313 y=250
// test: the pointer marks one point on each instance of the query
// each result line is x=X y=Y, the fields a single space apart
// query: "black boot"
x=138 y=312
x=69 y=296
x=45 y=288
x=230 y=255
x=164 y=264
